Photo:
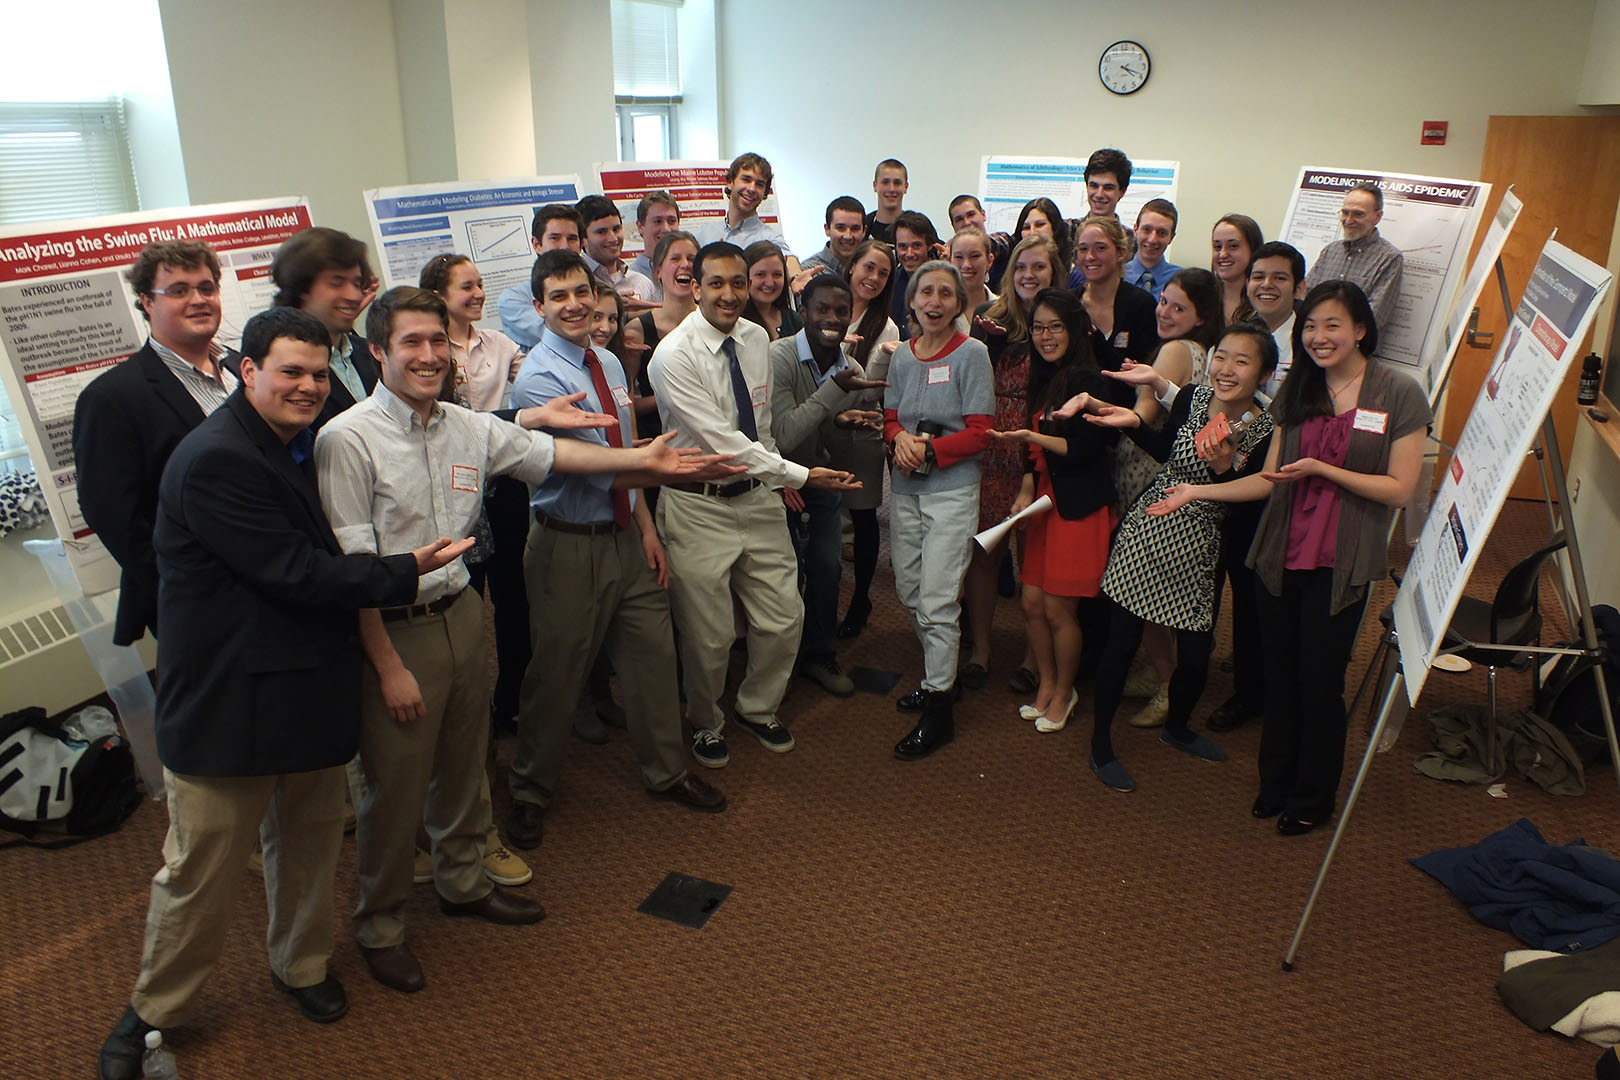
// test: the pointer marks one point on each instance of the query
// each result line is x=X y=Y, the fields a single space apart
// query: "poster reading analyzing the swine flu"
x=698 y=187
x=67 y=315
x=1431 y=219
x=486 y=220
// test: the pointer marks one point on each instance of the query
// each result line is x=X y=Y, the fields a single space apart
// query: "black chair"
x=1513 y=617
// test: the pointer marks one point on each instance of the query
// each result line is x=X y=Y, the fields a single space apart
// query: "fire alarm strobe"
x=1434 y=132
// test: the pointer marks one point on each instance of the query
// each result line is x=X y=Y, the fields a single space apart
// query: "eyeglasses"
x=182 y=290
x=1044 y=329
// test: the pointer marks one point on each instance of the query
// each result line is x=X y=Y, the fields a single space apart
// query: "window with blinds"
x=646 y=51
x=58 y=160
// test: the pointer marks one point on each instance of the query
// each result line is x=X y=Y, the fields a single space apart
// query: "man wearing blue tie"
x=1149 y=270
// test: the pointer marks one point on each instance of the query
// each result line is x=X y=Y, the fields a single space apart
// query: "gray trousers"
x=931 y=540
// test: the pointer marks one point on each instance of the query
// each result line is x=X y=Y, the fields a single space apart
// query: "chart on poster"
x=698 y=187
x=67 y=315
x=1007 y=183
x=486 y=220
x=1431 y=219
x=1549 y=324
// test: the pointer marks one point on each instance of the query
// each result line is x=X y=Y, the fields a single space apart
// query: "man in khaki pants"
x=402 y=464
x=259 y=704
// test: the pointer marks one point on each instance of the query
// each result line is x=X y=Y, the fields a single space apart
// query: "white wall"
x=1241 y=94
x=299 y=97
x=571 y=58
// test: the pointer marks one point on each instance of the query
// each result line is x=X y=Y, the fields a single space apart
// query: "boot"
x=936 y=728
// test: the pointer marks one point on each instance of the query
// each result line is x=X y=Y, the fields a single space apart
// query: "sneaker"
x=1112 y=773
x=504 y=868
x=1154 y=712
x=770 y=733
x=1142 y=680
x=422 y=867
x=709 y=747
x=1197 y=745
x=830 y=676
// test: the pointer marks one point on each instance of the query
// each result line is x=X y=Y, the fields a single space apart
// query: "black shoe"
x=1023 y=681
x=497 y=906
x=690 y=791
x=855 y=621
x=121 y=1053
x=525 y=825
x=323 y=1003
x=770 y=732
x=936 y=728
x=973 y=675
x=395 y=967
x=1264 y=808
x=1232 y=714
x=914 y=701
x=1291 y=824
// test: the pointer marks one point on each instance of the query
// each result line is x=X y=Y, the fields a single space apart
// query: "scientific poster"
x=1549 y=324
x=698 y=187
x=1490 y=249
x=1431 y=219
x=67 y=315
x=1007 y=183
x=486 y=220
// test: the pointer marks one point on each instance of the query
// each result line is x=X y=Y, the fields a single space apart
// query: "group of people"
x=656 y=457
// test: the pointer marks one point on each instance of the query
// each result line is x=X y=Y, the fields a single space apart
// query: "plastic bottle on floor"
x=157 y=1063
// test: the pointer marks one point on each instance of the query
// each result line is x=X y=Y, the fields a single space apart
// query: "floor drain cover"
x=685 y=900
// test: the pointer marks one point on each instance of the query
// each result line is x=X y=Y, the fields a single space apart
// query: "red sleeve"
x=961 y=445
x=891 y=425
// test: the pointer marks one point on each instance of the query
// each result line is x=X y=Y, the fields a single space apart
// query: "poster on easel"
x=1549 y=324
x=1007 y=183
x=67 y=315
x=486 y=220
x=698 y=187
x=1431 y=219
x=1490 y=250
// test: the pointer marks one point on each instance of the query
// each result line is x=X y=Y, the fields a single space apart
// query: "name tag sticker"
x=1122 y=340
x=1371 y=420
x=938 y=375
x=758 y=396
x=621 y=397
x=464 y=478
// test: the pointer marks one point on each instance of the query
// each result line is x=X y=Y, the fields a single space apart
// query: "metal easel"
x=1549 y=460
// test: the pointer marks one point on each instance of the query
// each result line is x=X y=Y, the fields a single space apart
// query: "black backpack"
x=50 y=782
x=1569 y=697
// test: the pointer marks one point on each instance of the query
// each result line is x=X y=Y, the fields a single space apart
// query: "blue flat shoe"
x=1198 y=746
x=1112 y=773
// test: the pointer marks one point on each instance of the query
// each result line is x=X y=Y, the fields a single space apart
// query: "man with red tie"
x=596 y=574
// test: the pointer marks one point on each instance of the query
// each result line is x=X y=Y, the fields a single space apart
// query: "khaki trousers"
x=586 y=592
x=213 y=821
x=428 y=770
x=718 y=547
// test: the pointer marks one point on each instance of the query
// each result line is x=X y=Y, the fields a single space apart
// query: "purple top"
x=1313 y=528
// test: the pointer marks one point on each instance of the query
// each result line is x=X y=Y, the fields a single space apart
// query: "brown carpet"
x=992 y=911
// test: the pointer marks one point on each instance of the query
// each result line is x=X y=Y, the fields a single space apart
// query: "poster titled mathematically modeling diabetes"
x=487 y=220
x=67 y=315
x=1550 y=323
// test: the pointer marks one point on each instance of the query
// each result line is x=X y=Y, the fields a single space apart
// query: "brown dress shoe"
x=690 y=791
x=500 y=906
x=395 y=967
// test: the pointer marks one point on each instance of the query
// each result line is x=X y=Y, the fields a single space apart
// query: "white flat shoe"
x=1029 y=712
x=1046 y=724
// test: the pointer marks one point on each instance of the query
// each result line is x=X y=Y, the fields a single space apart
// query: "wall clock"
x=1124 y=67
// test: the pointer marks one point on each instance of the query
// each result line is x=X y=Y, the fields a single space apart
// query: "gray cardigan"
x=1361 y=544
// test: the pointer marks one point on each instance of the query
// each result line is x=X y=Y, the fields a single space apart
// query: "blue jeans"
x=819 y=545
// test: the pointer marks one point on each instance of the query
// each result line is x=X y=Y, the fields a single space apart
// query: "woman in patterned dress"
x=1162 y=569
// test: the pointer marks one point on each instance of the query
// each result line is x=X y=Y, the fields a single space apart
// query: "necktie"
x=604 y=397
x=739 y=390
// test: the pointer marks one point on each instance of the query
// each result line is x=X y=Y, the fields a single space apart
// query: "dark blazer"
x=339 y=398
x=125 y=425
x=1083 y=478
x=260 y=650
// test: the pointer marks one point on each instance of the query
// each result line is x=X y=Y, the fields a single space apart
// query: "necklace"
x=1333 y=395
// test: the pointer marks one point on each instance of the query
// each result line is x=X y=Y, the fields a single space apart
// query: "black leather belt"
x=607 y=528
x=437 y=607
x=720 y=491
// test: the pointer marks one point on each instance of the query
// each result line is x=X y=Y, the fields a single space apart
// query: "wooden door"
x=1566 y=169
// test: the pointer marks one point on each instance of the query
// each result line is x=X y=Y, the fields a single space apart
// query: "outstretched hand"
x=1177 y=496
x=1296 y=470
x=1073 y=407
x=833 y=479
x=989 y=326
x=1113 y=416
x=560 y=414
x=851 y=380
x=1017 y=435
x=441 y=553
x=1134 y=373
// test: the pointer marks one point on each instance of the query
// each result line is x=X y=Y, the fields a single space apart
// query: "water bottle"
x=90 y=725
x=157 y=1063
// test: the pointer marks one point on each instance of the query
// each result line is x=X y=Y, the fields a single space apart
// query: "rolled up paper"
x=995 y=534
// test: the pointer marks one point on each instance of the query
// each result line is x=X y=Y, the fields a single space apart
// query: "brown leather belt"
x=416 y=611
x=607 y=528
x=720 y=491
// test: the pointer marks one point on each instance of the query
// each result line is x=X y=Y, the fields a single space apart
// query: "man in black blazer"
x=259 y=705
x=326 y=273
x=128 y=421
